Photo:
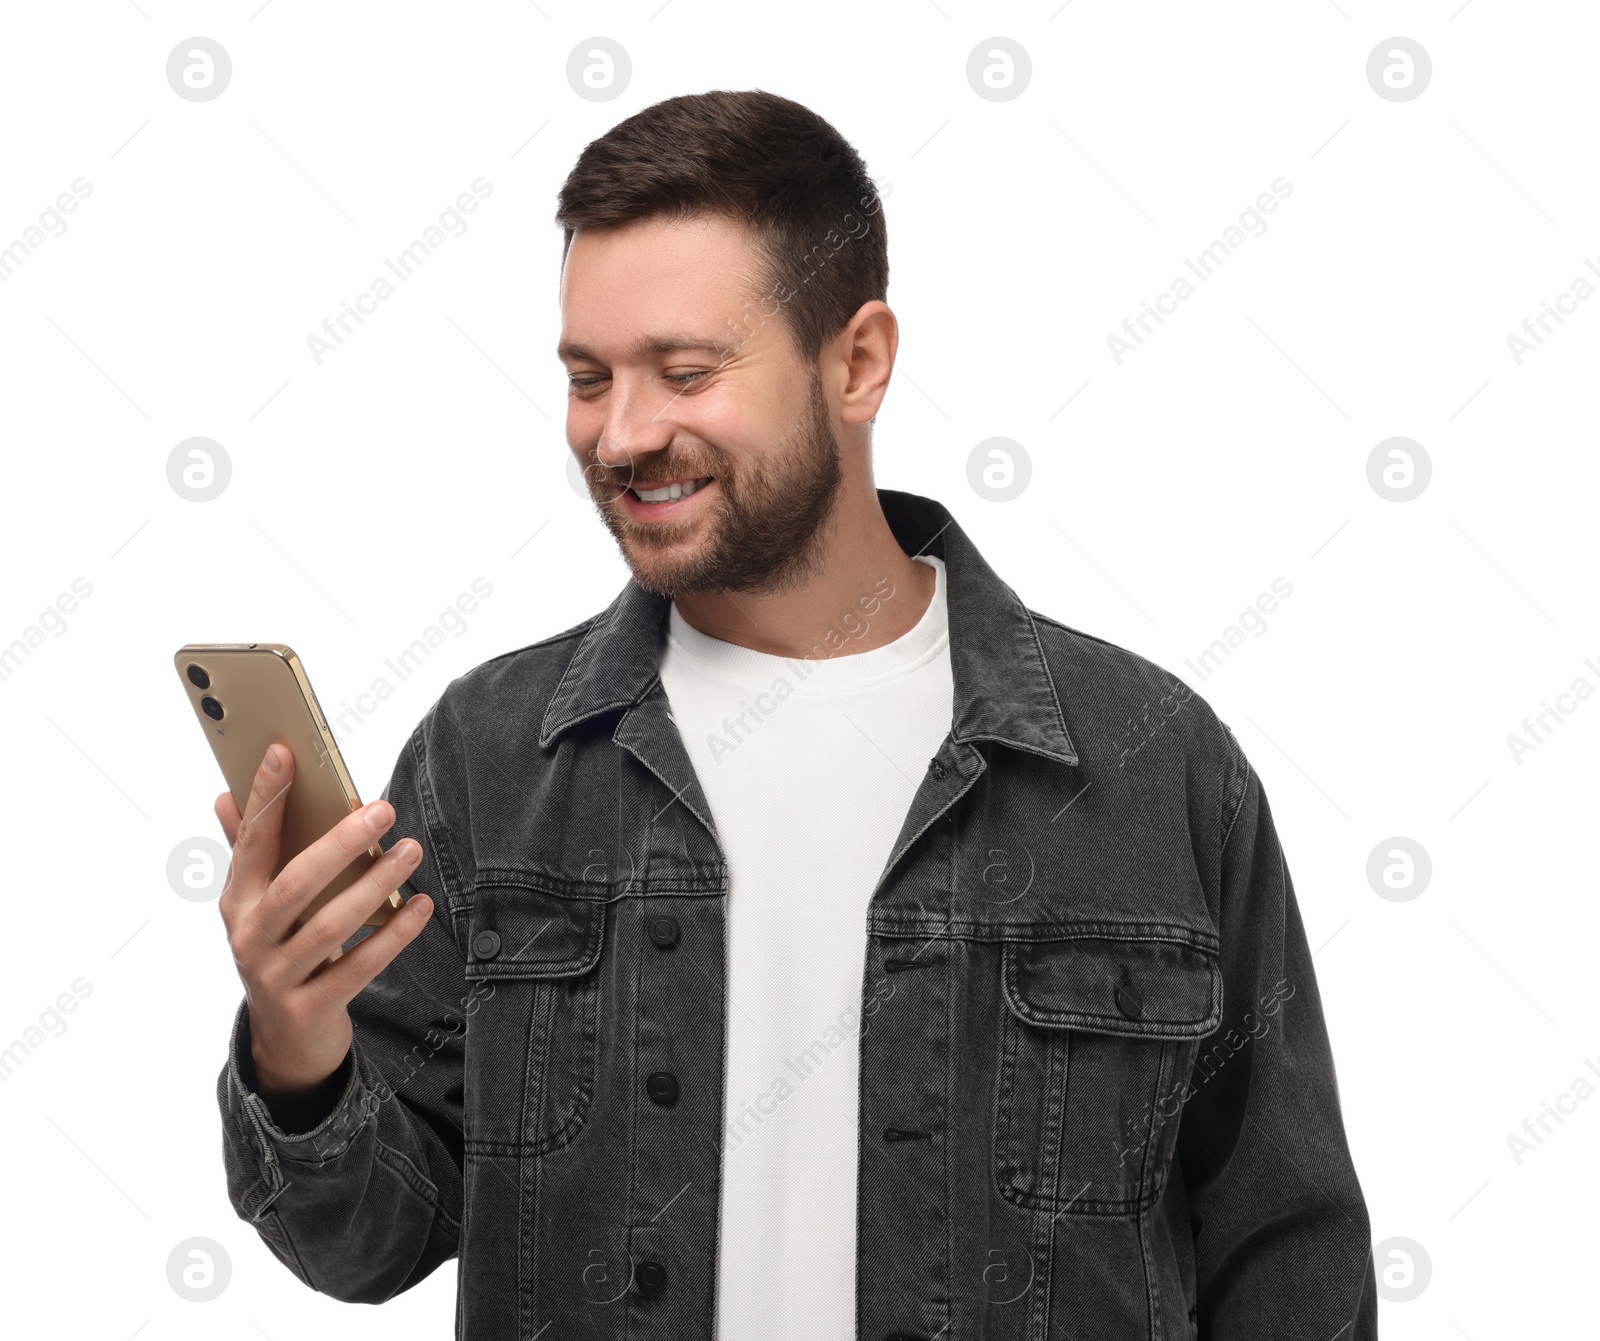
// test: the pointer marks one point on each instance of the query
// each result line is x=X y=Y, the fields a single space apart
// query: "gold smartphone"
x=247 y=695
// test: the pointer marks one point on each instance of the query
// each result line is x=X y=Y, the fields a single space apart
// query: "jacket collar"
x=1003 y=688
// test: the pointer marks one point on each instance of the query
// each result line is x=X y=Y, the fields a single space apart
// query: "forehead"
x=683 y=276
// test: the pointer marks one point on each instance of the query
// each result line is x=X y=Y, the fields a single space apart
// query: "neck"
x=865 y=579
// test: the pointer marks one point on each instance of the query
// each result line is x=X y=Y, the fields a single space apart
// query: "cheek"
x=727 y=416
x=582 y=429
x=594 y=476
x=744 y=418
x=727 y=426
x=749 y=421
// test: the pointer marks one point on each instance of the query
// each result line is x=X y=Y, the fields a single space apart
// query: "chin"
x=655 y=570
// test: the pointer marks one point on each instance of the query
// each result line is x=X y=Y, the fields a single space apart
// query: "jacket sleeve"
x=368 y=1202
x=1282 y=1241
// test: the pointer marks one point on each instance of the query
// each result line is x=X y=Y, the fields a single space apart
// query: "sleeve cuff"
x=329 y=1138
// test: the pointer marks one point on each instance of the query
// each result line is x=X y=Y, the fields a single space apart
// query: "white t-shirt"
x=808 y=793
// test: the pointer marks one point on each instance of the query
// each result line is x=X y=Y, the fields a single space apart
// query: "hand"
x=297 y=981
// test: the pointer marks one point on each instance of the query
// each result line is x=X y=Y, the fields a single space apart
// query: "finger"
x=308 y=873
x=342 y=916
x=255 y=843
x=227 y=811
x=353 y=970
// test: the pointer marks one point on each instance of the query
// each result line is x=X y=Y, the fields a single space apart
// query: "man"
x=816 y=942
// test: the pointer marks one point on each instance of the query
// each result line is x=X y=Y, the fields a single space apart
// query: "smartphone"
x=248 y=695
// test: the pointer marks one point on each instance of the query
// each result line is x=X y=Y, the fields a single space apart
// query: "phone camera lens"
x=198 y=677
x=211 y=708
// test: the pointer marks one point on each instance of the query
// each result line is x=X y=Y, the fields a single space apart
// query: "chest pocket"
x=1097 y=1040
x=532 y=968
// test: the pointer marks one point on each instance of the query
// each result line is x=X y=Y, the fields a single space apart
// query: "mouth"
x=669 y=491
x=665 y=501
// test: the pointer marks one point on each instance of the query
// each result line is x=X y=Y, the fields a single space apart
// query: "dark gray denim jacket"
x=1097 y=1098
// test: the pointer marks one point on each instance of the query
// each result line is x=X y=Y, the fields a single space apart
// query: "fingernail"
x=409 y=852
x=379 y=815
x=272 y=760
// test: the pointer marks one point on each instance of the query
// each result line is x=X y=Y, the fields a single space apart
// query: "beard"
x=763 y=534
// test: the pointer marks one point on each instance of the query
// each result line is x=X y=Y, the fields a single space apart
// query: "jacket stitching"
x=1144 y=1198
x=1044 y=666
x=1152 y=1288
x=418 y=1182
x=921 y=927
x=444 y=854
x=1236 y=800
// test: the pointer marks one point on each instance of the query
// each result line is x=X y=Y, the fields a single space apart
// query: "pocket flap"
x=516 y=931
x=1144 y=988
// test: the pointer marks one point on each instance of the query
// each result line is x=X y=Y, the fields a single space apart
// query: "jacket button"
x=650 y=1276
x=1129 y=1002
x=662 y=1086
x=486 y=945
x=664 y=931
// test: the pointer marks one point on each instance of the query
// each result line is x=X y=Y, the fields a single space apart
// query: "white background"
x=1231 y=449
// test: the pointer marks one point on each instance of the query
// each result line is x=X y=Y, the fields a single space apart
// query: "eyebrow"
x=649 y=345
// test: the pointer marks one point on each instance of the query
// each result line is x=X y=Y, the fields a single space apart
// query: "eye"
x=579 y=385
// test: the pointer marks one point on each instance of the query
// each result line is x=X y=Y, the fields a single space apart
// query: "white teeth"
x=672 y=491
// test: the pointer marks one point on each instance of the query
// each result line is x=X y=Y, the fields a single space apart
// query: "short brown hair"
x=760 y=159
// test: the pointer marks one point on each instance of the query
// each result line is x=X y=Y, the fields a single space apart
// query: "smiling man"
x=816 y=942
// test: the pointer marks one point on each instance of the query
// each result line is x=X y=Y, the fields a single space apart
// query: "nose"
x=634 y=427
